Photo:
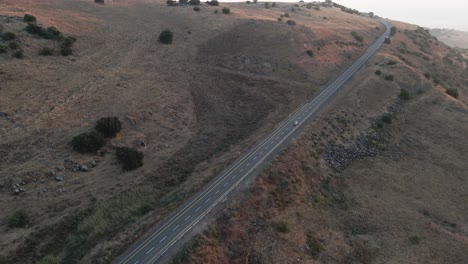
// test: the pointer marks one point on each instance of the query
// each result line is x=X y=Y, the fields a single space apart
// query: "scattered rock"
x=84 y=168
x=93 y=163
x=52 y=172
x=59 y=177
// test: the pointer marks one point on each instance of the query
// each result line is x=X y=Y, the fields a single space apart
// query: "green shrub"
x=310 y=53
x=1 y=28
x=130 y=158
x=18 y=54
x=195 y=2
x=34 y=29
x=273 y=5
x=427 y=75
x=20 y=218
x=166 y=36
x=213 y=3
x=247 y=2
x=387 y=118
x=313 y=244
x=46 y=51
x=286 y=14
x=29 y=18
x=378 y=72
x=68 y=41
x=13 y=45
x=216 y=11
x=99 y=1
x=108 y=126
x=389 y=77
x=8 y=36
x=404 y=94
x=414 y=240
x=393 y=31
x=280 y=19
x=391 y=62
x=436 y=81
x=197 y=9
x=267 y=5
x=88 y=142
x=291 y=22
x=66 y=51
x=452 y=92
x=226 y=10
x=282 y=226
x=50 y=259
x=388 y=40
x=53 y=33
x=3 y=49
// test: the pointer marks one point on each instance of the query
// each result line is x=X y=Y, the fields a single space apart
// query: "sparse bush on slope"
x=166 y=36
x=46 y=51
x=8 y=36
x=88 y=142
x=452 y=92
x=130 y=158
x=20 y=218
x=29 y=18
x=291 y=22
x=109 y=126
x=226 y=10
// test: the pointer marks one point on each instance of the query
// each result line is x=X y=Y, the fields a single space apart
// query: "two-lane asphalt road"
x=156 y=244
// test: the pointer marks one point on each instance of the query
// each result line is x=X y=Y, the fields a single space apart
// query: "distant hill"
x=451 y=37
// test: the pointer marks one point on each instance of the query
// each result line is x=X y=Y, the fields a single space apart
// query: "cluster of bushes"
x=49 y=33
x=12 y=45
x=346 y=9
x=196 y=9
x=282 y=226
x=357 y=37
x=105 y=128
x=348 y=43
x=404 y=94
x=291 y=22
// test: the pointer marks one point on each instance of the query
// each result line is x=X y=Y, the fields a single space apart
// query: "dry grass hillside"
x=379 y=177
x=451 y=37
x=225 y=81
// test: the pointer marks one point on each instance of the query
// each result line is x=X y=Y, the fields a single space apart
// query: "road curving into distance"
x=153 y=246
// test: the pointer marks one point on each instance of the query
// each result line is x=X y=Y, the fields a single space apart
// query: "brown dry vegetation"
x=404 y=202
x=224 y=83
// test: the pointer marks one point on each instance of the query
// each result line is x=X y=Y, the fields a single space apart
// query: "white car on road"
x=296 y=123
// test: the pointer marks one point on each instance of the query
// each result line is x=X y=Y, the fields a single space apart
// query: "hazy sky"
x=427 y=13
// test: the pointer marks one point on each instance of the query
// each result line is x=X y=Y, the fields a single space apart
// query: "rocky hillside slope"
x=379 y=177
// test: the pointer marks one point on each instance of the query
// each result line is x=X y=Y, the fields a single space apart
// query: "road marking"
x=207 y=200
x=234 y=176
x=282 y=133
x=175 y=227
x=136 y=262
x=255 y=158
x=196 y=210
x=217 y=192
x=271 y=143
x=147 y=252
x=225 y=183
x=187 y=218
x=162 y=239
x=248 y=164
x=242 y=170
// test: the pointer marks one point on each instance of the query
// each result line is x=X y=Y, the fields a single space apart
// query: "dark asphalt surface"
x=153 y=246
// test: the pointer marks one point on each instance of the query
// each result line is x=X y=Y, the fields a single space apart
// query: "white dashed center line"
x=147 y=252
x=175 y=227
x=196 y=210
x=162 y=239
x=225 y=184
x=207 y=200
x=217 y=192
x=187 y=218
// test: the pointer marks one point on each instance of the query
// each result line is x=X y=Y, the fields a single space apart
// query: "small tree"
x=378 y=72
x=29 y=18
x=197 y=9
x=194 y=2
x=310 y=53
x=286 y=14
x=226 y=10
x=130 y=158
x=20 y=218
x=387 y=118
x=88 y=142
x=109 y=126
x=166 y=37
x=18 y=54
x=267 y=5
x=291 y=22
x=389 y=77
x=393 y=31
x=213 y=3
